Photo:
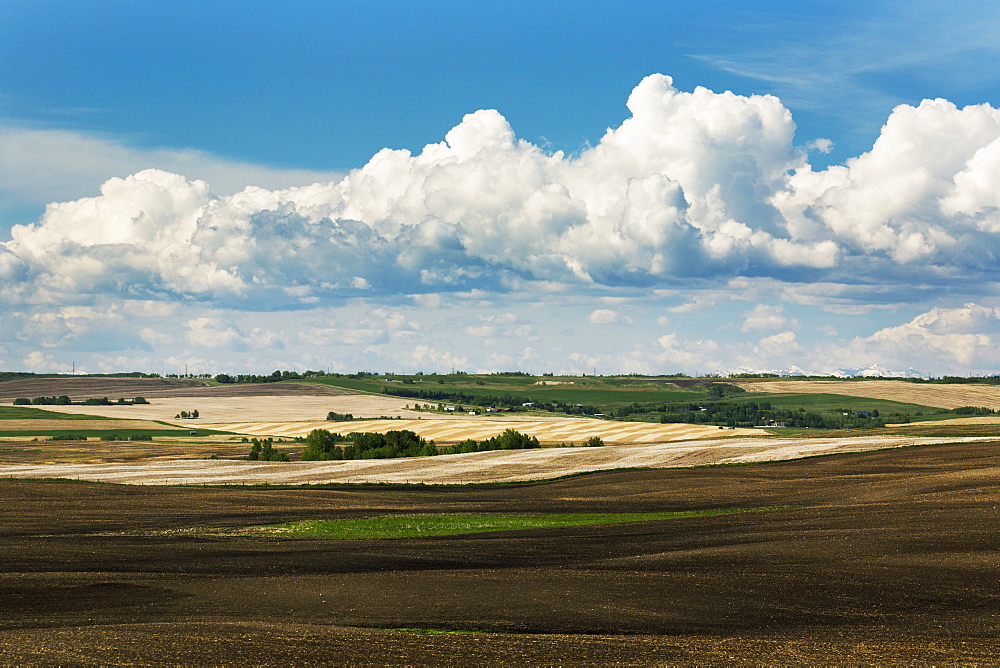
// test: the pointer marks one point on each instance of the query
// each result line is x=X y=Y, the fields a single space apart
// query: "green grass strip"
x=417 y=526
x=97 y=433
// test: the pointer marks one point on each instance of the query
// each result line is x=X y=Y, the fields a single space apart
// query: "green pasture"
x=419 y=526
x=584 y=390
x=834 y=403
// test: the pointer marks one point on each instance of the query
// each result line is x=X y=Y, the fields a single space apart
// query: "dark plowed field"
x=889 y=557
x=80 y=388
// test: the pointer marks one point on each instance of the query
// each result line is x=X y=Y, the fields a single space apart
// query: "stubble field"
x=939 y=396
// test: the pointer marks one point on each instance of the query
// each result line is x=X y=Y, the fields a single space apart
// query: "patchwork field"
x=938 y=396
x=497 y=466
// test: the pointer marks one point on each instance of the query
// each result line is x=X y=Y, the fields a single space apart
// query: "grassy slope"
x=417 y=526
x=834 y=403
x=588 y=391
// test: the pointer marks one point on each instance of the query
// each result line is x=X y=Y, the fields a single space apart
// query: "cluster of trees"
x=273 y=377
x=63 y=400
x=184 y=415
x=133 y=437
x=973 y=410
x=509 y=400
x=752 y=414
x=508 y=440
x=322 y=445
x=339 y=417
x=263 y=451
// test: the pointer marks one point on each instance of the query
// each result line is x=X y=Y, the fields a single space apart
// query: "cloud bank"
x=695 y=190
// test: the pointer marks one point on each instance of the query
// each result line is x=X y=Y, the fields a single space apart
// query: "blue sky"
x=707 y=232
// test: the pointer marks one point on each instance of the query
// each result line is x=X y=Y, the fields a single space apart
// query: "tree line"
x=63 y=400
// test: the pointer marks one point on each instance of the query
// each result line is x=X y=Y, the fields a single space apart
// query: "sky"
x=553 y=187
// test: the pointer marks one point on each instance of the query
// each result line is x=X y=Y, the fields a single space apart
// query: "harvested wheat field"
x=984 y=421
x=497 y=466
x=549 y=430
x=255 y=408
x=938 y=396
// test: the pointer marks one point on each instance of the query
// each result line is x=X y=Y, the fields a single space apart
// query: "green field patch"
x=583 y=390
x=420 y=526
x=28 y=413
x=833 y=405
x=97 y=433
x=407 y=629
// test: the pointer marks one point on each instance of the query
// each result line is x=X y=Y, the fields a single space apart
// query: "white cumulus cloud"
x=602 y=316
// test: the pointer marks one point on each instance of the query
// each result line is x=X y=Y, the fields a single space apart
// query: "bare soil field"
x=938 y=396
x=14 y=450
x=40 y=460
x=877 y=558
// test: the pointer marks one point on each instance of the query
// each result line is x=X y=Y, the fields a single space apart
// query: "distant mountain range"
x=870 y=371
